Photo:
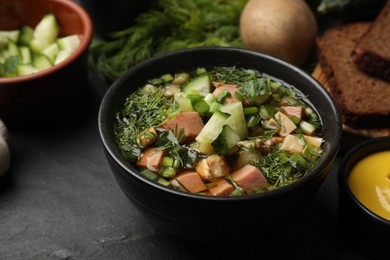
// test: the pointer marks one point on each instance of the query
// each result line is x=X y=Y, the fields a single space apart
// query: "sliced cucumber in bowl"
x=30 y=50
x=45 y=33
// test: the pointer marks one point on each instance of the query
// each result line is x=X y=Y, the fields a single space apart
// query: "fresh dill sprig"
x=170 y=25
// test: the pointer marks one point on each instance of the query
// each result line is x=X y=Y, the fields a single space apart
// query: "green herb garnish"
x=170 y=25
x=140 y=111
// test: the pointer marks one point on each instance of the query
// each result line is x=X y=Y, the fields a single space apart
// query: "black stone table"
x=59 y=200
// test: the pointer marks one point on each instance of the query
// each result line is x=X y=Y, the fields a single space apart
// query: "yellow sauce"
x=369 y=181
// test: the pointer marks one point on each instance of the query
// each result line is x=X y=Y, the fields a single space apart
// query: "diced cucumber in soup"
x=237 y=118
x=212 y=128
x=198 y=86
x=183 y=102
x=225 y=140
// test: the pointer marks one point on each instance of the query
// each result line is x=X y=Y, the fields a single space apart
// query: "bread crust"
x=372 y=51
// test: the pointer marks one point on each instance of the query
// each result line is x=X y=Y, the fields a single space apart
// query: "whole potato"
x=285 y=29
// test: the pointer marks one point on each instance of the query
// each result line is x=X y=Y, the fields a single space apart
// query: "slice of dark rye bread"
x=319 y=75
x=363 y=100
x=372 y=50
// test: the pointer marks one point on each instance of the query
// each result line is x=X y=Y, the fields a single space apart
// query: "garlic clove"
x=4 y=132
x=5 y=157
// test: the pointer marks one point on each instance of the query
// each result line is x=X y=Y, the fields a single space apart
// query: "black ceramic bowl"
x=360 y=227
x=205 y=218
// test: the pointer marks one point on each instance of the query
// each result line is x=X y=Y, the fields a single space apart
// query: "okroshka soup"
x=220 y=131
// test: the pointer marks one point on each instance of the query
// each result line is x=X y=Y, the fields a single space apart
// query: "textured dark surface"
x=59 y=200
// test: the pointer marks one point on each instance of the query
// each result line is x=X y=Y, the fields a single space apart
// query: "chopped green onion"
x=167 y=77
x=237 y=192
x=297 y=160
x=239 y=95
x=215 y=106
x=250 y=110
x=200 y=71
x=202 y=107
x=168 y=172
x=223 y=95
x=194 y=98
x=164 y=182
x=209 y=98
x=156 y=81
x=167 y=161
x=173 y=114
x=283 y=158
x=271 y=110
x=149 y=174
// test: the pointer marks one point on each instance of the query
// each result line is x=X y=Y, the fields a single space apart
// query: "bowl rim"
x=342 y=171
x=104 y=135
x=84 y=44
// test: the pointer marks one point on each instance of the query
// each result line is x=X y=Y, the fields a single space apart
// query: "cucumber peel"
x=198 y=86
x=237 y=118
x=212 y=128
x=226 y=140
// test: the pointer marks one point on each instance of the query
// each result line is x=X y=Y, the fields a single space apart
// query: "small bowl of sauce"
x=364 y=197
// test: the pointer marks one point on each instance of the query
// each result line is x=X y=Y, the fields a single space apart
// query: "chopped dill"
x=280 y=169
x=140 y=111
x=233 y=75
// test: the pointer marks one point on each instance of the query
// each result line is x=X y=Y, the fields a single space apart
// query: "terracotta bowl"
x=206 y=218
x=35 y=97
x=360 y=227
